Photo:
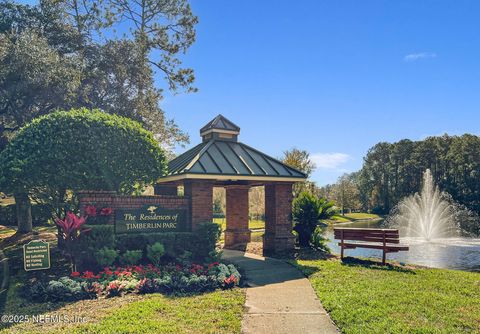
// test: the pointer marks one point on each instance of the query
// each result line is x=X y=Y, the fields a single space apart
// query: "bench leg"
x=341 y=253
x=384 y=257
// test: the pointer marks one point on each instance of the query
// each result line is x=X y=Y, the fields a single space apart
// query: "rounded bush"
x=81 y=149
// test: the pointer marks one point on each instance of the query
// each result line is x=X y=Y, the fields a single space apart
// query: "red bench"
x=385 y=239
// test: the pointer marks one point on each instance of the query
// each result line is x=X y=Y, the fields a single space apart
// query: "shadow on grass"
x=371 y=264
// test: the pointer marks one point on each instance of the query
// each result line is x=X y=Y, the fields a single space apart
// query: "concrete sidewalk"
x=279 y=298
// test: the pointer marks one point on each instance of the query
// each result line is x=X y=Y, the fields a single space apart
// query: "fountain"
x=428 y=214
x=431 y=224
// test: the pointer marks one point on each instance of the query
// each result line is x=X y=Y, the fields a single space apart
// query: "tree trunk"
x=24 y=213
x=304 y=239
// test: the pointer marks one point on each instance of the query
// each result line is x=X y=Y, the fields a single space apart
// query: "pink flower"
x=90 y=210
x=75 y=274
x=70 y=225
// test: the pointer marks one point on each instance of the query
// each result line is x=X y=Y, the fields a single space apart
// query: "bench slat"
x=366 y=229
x=352 y=236
x=372 y=239
x=375 y=246
x=365 y=233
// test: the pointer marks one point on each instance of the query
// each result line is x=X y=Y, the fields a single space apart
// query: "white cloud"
x=419 y=55
x=329 y=160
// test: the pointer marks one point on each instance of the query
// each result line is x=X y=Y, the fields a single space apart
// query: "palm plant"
x=307 y=211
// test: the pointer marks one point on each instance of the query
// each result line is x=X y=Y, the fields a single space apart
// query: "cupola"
x=220 y=128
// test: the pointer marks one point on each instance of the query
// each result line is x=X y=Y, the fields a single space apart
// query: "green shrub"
x=105 y=256
x=319 y=241
x=207 y=236
x=155 y=253
x=200 y=243
x=175 y=243
x=39 y=158
x=307 y=210
x=131 y=257
x=98 y=236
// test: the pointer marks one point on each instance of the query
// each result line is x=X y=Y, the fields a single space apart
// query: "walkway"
x=279 y=298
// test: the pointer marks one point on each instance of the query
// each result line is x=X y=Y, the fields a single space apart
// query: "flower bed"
x=115 y=281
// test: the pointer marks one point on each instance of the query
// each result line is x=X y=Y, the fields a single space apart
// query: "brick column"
x=200 y=193
x=278 y=218
x=237 y=232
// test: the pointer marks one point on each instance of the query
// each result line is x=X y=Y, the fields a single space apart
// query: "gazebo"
x=220 y=160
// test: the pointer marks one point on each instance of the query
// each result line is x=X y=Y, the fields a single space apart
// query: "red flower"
x=88 y=274
x=230 y=281
x=90 y=210
x=75 y=274
x=106 y=212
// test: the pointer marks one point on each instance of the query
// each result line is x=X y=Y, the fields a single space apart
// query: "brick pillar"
x=237 y=232
x=200 y=193
x=165 y=189
x=278 y=218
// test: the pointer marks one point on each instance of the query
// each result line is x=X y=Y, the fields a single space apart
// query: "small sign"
x=150 y=218
x=36 y=255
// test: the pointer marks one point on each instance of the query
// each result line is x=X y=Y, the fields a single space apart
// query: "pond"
x=450 y=253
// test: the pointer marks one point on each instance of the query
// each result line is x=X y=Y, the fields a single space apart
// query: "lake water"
x=451 y=253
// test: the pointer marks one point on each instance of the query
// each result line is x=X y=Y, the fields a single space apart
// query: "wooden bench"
x=385 y=239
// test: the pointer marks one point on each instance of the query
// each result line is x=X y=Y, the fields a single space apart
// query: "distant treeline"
x=393 y=171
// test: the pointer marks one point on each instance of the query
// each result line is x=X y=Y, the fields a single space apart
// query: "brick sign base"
x=175 y=208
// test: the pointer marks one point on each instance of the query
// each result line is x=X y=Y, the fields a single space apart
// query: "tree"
x=307 y=211
x=64 y=40
x=256 y=196
x=78 y=150
x=219 y=200
x=393 y=171
x=345 y=193
x=161 y=30
x=25 y=94
x=300 y=160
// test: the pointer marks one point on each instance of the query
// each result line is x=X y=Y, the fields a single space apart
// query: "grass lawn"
x=215 y=312
x=364 y=297
x=252 y=224
x=351 y=217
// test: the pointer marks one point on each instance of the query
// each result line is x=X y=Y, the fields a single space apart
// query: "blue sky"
x=333 y=77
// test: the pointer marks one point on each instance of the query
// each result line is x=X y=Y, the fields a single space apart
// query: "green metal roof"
x=220 y=123
x=226 y=158
x=218 y=157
